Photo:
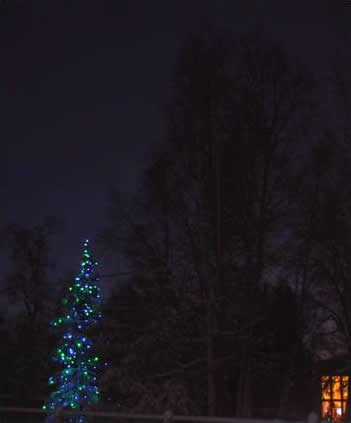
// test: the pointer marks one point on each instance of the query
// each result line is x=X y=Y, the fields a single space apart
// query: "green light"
x=76 y=383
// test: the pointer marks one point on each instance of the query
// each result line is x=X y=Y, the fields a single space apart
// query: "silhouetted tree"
x=28 y=280
x=28 y=286
x=215 y=202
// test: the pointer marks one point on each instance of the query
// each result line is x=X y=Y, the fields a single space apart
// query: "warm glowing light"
x=334 y=397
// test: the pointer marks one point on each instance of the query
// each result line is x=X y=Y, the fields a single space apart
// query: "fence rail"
x=167 y=417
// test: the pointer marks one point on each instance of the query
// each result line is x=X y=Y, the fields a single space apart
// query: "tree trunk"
x=244 y=400
x=211 y=364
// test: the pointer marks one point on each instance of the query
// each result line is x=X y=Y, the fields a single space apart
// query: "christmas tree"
x=76 y=384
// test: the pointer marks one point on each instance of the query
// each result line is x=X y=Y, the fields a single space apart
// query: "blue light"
x=80 y=311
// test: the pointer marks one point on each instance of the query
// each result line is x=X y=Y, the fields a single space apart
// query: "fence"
x=10 y=415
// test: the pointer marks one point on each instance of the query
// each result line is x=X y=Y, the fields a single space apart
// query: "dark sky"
x=83 y=86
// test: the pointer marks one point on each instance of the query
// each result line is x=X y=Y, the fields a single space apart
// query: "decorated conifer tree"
x=76 y=384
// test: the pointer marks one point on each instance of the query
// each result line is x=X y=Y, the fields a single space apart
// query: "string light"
x=76 y=383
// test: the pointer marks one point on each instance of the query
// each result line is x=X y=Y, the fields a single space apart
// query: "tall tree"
x=235 y=125
x=76 y=384
x=215 y=200
x=28 y=286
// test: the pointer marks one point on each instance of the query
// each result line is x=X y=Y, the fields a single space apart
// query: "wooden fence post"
x=313 y=417
x=167 y=417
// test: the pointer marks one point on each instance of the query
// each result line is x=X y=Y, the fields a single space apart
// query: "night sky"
x=83 y=88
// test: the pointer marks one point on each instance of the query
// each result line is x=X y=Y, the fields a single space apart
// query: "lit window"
x=334 y=397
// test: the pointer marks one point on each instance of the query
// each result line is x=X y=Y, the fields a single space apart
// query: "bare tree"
x=28 y=280
x=215 y=199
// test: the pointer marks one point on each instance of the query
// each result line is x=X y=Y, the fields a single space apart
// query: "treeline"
x=237 y=245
